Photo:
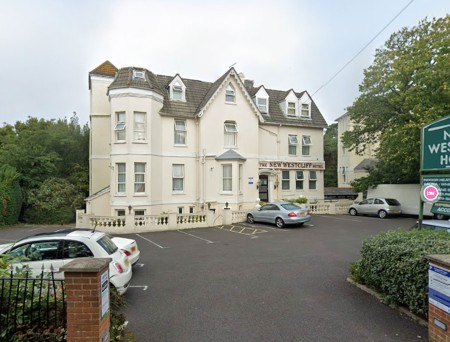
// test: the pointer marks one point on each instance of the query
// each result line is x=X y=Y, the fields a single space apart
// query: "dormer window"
x=306 y=110
x=291 y=109
x=230 y=94
x=177 y=93
x=177 y=89
x=262 y=104
x=139 y=75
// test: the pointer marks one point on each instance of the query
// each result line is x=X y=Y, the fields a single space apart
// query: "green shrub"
x=395 y=264
x=64 y=215
x=299 y=200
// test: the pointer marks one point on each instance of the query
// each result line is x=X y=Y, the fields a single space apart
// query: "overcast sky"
x=49 y=47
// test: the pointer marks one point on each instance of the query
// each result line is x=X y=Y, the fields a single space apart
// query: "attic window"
x=177 y=93
x=306 y=110
x=262 y=104
x=138 y=75
x=230 y=95
x=291 y=109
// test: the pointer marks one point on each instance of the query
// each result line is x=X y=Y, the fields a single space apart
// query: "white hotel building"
x=168 y=144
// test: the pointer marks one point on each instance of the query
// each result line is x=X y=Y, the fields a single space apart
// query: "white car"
x=54 y=250
x=129 y=247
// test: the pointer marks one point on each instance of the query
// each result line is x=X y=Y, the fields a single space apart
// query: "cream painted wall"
x=203 y=180
x=212 y=145
x=99 y=147
x=348 y=160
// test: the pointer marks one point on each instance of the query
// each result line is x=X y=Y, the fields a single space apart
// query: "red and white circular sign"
x=430 y=193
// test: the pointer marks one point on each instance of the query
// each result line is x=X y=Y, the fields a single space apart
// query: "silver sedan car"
x=379 y=206
x=280 y=213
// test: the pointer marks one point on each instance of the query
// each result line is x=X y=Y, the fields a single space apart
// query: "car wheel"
x=250 y=218
x=382 y=214
x=353 y=212
x=279 y=222
x=440 y=216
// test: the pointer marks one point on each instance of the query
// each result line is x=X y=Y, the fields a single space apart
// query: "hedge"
x=395 y=264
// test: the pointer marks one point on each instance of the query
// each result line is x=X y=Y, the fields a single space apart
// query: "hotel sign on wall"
x=292 y=165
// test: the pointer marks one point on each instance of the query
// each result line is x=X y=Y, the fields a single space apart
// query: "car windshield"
x=107 y=244
x=392 y=201
x=290 y=206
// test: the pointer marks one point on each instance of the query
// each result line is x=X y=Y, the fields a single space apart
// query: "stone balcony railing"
x=172 y=221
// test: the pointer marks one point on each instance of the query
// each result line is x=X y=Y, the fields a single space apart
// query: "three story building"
x=172 y=144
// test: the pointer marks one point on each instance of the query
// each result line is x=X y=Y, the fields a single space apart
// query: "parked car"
x=279 y=213
x=378 y=206
x=129 y=247
x=51 y=251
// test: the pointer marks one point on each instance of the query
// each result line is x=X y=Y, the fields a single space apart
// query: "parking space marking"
x=144 y=287
x=265 y=226
x=138 y=265
x=334 y=217
x=194 y=236
x=151 y=241
x=243 y=230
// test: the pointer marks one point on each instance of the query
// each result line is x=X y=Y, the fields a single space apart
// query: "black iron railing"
x=28 y=302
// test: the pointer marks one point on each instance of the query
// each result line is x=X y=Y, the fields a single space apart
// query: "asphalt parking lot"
x=259 y=283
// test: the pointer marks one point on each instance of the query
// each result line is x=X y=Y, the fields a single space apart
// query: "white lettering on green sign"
x=441 y=148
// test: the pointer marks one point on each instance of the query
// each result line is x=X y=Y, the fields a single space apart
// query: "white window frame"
x=227 y=177
x=293 y=142
x=230 y=94
x=299 y=178
x=139 y=178
x=306 y=145
x=120 y=127
x=177 y=92
x=230 y=134
x=285 y=181
x=290 y=105
x=140 y=128
x=139 y=75
x=178 y=177
x=305 y=108
x=312 y=180
x=263 y=107
x=180 y=132
x=121 y=178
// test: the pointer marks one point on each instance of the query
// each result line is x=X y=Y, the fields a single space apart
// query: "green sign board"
x=436 y=145
x=436 y=183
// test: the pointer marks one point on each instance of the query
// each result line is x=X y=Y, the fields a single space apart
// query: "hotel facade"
x=170 y=144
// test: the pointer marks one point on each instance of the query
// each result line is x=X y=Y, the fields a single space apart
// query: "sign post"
x=435 y=158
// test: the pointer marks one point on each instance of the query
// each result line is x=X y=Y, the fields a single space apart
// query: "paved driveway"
x=259 y=283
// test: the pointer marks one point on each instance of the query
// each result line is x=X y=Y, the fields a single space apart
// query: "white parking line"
x=333 y=217
x=151 y=241
x=144 y=287
x=194 y=236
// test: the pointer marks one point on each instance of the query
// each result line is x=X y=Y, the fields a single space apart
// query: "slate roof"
x=198 y=93
x=230 y=155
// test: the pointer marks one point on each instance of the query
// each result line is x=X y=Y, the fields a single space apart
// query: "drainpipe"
x=197 y=161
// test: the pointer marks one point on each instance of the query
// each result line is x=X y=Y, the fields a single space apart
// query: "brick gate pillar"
x=439 y=298
x=87 y=288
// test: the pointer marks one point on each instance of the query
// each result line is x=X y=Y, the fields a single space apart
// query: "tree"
x=406 y=87
x=45 y=149
x=330 y=155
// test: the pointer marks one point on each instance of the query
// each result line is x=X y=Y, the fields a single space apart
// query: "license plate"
x=302 y=213
x=127 y=262
x=133 y=249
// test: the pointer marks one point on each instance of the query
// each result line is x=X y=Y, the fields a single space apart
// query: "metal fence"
x=31 y=303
